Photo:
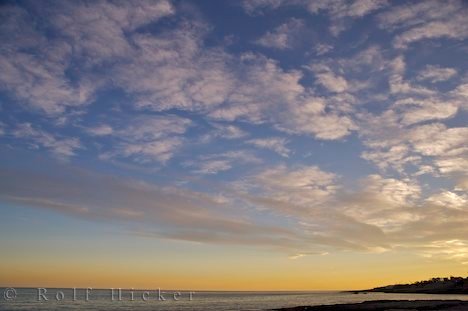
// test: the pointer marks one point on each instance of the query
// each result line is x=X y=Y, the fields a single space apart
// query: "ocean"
x=101 y=299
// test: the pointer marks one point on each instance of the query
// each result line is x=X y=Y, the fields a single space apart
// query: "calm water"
x=27 y=299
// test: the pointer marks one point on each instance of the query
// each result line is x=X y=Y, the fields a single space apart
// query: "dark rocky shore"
x=389 y=305
x=452 y=285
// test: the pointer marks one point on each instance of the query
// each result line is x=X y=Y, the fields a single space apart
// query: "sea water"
x=105 y=299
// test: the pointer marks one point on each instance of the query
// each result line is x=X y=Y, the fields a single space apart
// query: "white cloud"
x=453 y=250
x=451 y=165
x=396 y=156
x=168 y=212
x=436 y=74
x=415 y=110
x=337 y=10
x=230 y=131
x=448 y=199
x=394 y=145
x=393 y=191
x=100 y=130
x=455 y=28
x=226 y=131
x=169 y=70
x=175 y=70
x=306 y=119
x=253 y=6
x=384 y=202
x=41 y=83
x=214 y=163
x=284 y=36
x=416 y=13
x=97 y=30
x=275 y=144
x=160 y=150
x=322 y=48
x=150 y=128
x=60 y=147
x=264 y=89
x=426 y=20
x=149 y=138
x=330 y=80
x=438 y=140
x=34 y=66
x=304 y=185
x=213 y=166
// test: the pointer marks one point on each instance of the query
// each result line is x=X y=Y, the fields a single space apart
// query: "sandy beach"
x=388 y=305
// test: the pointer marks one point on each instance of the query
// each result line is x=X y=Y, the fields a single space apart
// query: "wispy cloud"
x=146 y=139
x=426 y=20
x=436 y=74
x=160 y=84
x=276 y=144
x=285 y=36
x=59 y=146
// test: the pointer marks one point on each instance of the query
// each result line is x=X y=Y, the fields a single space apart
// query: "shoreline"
x=383 y=305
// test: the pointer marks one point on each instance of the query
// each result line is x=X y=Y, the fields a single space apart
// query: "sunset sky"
x=233 y=145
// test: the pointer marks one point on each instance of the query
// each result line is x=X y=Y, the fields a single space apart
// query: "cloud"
x=158 y=74
x=303 y=185
x=336 y=9
x=149 y=138
x=448 y=199
x=418 y=110
x=394 y=136
x=284 y=36
x=213 y=166
x=322 y=48
x=101 y=130
x=454 y=250
x=425 y=20
x=226 y=131
x=384 y=202
x=339 y=11
x=381 y=214
x=171 y=69
x=175 y=70
x=160 y=150
x=435 y=74
x=35 y=67
x=215 y=163
x=438 y=140
x=328 y=79
x=264 y=87
x=143 y=208
x=41 y=83
x=275 y=144
x=60 y=147
x=254 y=6
x=453 y=29
x=394 y=145
x=98 y=30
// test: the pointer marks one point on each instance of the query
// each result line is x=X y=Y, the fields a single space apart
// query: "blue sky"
x=299 y=127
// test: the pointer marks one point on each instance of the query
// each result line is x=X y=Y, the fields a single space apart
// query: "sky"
x=233 y=145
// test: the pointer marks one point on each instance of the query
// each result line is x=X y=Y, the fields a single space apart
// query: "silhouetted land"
x=385 y=305
x=452 y=285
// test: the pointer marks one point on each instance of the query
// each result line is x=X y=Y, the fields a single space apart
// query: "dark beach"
x=389 y=305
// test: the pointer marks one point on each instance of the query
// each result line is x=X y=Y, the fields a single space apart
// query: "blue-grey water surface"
x=27 y=299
